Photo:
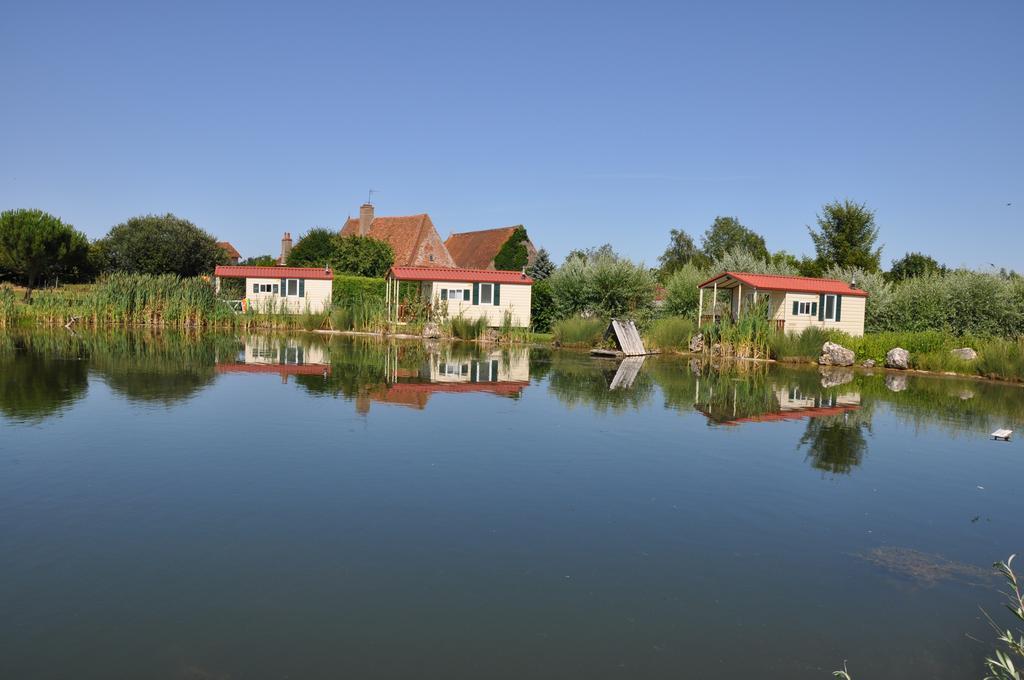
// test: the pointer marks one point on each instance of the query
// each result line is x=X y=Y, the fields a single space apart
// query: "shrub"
x=1002 y=359
x=804 y=345
x=542 y=307
x=465 y=329
x=350 y=289
x=8 y=305
x=604 y=285
x=683 y=297
x=672 y=332
x=579 y=331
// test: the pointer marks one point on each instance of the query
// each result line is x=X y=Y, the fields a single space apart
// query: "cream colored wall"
x=262 y=349
x=317 y=297
x=514 y=298
x=513 y=366
x=851 y=316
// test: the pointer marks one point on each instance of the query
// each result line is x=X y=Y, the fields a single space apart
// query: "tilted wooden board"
x=627 y=337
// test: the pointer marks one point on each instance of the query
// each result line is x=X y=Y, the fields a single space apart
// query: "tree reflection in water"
x=34 y=386
x=836 y=444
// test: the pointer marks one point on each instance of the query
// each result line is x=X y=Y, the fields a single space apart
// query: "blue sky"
x=587 y=122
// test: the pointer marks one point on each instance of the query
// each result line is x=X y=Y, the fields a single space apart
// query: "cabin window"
x=457 y=294
x=806 y=308
x=293 y=287
x=830 y=307
x=294 y=356
x=486 y=292
x=264 y=288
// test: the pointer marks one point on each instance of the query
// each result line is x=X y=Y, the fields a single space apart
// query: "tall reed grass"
x=671 y=333
x=8 y=306
x=467 y=329
x=579 y=331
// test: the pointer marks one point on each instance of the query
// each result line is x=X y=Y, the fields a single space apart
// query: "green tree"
x=513 y=255
x=315 y=248
x=259 y=261
x=361 y=256
x=682 y=295
x=742 y=260
x=846 y=236
x=727 y=234
x=35 y=244
x=542 y=306
x=160 y=244
x=542 y=267
x=912 y=265
x=681 y=251
x=602 y=284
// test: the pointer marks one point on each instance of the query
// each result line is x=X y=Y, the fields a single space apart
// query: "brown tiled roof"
x=477 y=249
x=229 y=249
x=404 y=235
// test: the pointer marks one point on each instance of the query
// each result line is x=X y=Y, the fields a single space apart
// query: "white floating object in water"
x=1002 y=434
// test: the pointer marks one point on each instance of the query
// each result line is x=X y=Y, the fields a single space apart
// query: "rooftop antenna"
x=369 y=196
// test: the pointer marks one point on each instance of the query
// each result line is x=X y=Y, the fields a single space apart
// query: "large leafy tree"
x=681 y=251
x=726 y=234
x=34 y=244
x=314 y=249
x=913 y=265
x=542 y=266
x=160 y=244
x=846 y=236
x=259 y=261
x=362 y=256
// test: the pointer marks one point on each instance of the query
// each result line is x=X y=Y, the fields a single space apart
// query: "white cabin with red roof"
x=286 y=290
x=469 y=293
x=793 y=302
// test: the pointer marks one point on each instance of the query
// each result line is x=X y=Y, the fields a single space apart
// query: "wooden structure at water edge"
x=627 y=339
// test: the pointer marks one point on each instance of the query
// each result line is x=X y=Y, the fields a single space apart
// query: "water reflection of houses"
x=503 y=373
x=733 y=402
x=278 y=355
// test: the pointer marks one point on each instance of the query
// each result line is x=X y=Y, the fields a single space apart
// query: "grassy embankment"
x=998 y=358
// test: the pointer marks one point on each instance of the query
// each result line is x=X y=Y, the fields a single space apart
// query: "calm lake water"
x=287 y=507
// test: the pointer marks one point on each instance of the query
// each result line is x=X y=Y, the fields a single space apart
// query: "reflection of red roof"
x=797 y=414
x=459 y=275
x=242 y=272
x=796 y=284
x=280 y=369
x=510 y=387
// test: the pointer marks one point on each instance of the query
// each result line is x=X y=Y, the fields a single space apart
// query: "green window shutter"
x=839 y=307
x=465 y=294
x=302 y=287
x=821 y=307
x=796 y=307
x=444 y=293
x=494 y=370
x=255 y=287
x=476 y=293
x=495 y=296
x=284 y=287
x=473 y=371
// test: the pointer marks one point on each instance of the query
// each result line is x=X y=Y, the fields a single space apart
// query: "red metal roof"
x=795 y=284
x=239 y=272
x=795 y=414
x=460 y=275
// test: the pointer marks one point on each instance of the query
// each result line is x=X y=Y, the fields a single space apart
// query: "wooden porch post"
x=714 y=304
x=739 y=302
x=700 y=305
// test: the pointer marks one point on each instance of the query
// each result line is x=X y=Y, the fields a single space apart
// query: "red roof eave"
x=459 y=275
x=243 y=272
x=793 y=284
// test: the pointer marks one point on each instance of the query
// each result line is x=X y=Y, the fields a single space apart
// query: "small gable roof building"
x=233 y=255
x=288 y=290
x=495 y=296
x=792 y=302
x=477 y=249
x=413 y=237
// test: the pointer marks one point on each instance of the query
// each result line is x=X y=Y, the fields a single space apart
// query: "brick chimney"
x=365 y=218
x=286 y=247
